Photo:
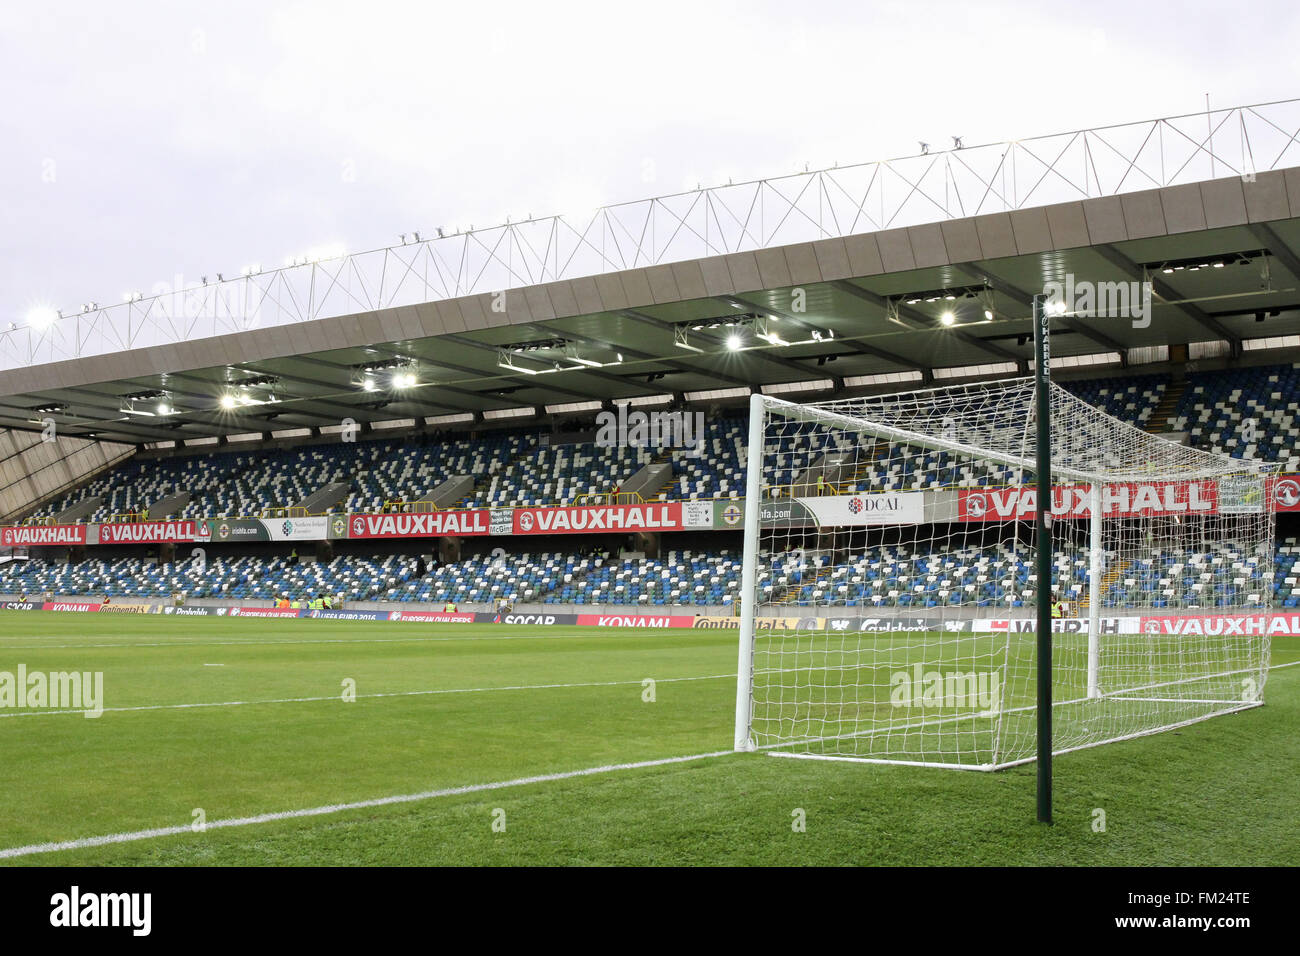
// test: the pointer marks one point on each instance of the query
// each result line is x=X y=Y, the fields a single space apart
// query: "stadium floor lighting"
x=41 y=317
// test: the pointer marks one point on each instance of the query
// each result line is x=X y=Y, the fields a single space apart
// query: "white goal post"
x=888 y=586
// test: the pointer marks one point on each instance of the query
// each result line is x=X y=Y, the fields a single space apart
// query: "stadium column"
x=1043 y=545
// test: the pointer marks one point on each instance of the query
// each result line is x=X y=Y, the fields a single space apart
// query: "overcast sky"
x=141 y=141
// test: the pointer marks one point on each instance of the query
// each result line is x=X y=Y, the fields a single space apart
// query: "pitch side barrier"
x=1189 y=623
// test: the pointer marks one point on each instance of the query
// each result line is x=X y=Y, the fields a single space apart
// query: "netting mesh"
x=895 y=590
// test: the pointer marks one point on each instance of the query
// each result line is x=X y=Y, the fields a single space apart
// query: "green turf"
x=1219 y=792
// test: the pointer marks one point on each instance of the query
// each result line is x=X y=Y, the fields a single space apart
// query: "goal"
x=889 y=589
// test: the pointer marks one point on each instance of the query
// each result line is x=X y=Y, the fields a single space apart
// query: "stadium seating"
x=681 y=577
x=1130 y=398
x=560 y=474
x=895 y=576
x=1246 y=413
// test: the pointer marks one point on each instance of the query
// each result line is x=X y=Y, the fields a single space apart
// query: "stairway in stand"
x=1159 y=420
x=1107 y=579
x=791 y=593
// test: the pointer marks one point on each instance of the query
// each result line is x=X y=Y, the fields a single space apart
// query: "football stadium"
x=536 y=543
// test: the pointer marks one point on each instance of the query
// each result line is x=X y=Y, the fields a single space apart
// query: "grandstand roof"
x=1223 y=256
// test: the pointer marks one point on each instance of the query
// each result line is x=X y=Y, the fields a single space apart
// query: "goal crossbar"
x=935 y=578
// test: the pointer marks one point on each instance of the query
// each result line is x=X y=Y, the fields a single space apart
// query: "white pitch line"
x=401 y=693
x=328 y=640
x=132 y=836
x=136 y=835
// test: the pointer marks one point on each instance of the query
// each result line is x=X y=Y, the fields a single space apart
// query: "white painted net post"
x=749 y=571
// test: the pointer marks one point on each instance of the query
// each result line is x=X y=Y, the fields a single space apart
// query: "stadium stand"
x=519 y=469
x=1246 y=413
x=1130 y=398
x=894 y=576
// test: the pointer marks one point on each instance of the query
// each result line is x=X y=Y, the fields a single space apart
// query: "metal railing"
x=713 y=220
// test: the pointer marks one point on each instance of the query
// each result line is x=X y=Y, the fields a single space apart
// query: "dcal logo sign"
x=526 y=521
x=977 y=506
x=358 y=526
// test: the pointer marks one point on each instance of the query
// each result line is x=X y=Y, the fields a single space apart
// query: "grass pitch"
x=216 y=719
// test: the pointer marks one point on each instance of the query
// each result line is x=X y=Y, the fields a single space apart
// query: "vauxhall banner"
x=659 y=516
x=1284 y=493
x=1126 y=500
x=1240 y=623
x=148 y=532
x=431 y=524
x=41 y=535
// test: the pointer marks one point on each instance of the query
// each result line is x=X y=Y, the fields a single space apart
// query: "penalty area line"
x=135 y=835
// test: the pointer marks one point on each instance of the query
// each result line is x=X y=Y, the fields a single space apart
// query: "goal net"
x=889 y=590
